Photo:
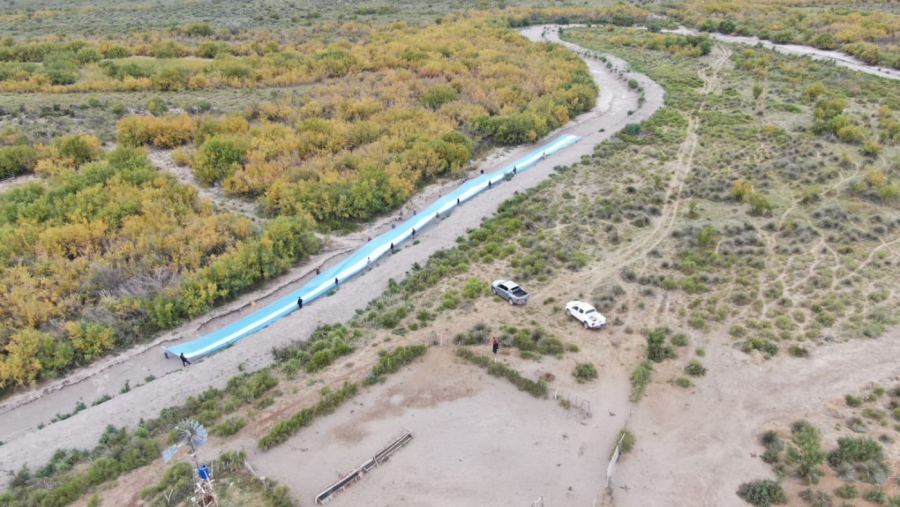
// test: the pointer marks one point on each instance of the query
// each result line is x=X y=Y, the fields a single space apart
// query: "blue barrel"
x=203 y=470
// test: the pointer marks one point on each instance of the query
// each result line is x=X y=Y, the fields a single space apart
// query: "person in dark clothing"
x=184 y=360
x=336 y=281
x=299 y=303
x=496 y=345
x=414 y=232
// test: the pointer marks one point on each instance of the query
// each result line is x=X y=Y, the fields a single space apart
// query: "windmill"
x=194 y=435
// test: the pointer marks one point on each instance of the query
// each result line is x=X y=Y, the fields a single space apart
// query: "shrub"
x=626 y=440
x=764 y=345
x=450 y=299
x=230 y=426
x=875 y=496
x=15 y=160
x=806 y=451
x=551 y=346
x=683 y=382
x=78 y=148
x=640 y=377
x=798 y=351
x=847 y=491
x=497 y=369
x=762 y=493
x=861 y=458
x=157 y=106
x=478 y=335
x=679 y=340
x=328 y=403
x=853 y=401
x=738 y=331
x=695 y=369
x=584 y=372
x=657 y=350
x=218 y=158
x=473 y=288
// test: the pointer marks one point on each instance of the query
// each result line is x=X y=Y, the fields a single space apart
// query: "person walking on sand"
x=496 y=345
x=184 y=360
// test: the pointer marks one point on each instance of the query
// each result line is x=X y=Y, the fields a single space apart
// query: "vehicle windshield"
x=590 y=310
x=518 y=291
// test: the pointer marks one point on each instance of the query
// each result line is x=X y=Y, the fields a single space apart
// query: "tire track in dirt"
x=682 y=168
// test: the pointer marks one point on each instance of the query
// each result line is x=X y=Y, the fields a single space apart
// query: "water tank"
x=203 y=470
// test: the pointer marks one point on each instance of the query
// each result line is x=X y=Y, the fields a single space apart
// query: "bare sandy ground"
x=696 y=448
x=20 y=415
x=477 y=440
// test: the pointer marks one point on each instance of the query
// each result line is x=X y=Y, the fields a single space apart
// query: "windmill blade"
x=168 y=453
x=193 y=433
x=200 y=436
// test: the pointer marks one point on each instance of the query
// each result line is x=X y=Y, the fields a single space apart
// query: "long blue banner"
x=358 y=261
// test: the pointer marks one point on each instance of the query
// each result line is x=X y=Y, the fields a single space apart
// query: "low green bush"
x=328 y=403
x=584 y=372
x=626 y=440
x=640 y=377
x=762 y=493
x=695 y=368
x=497 y=369
x=679 y=340
x=229 y=426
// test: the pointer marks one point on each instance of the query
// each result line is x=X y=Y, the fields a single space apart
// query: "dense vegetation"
x=864 y=31
x=405 y=110
x=108 y=251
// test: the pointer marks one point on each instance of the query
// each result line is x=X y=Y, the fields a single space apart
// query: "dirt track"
x=21 y=414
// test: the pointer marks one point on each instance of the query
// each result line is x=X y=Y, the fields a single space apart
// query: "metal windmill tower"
x=194 y=435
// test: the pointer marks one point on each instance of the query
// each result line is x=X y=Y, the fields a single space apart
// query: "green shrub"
x=477 y=335
x=762 y=493
x=584 y=372
x=474 y=288
x=683 y=382
x=847 y=491
x=626 y=440
x=15 y=160
x=497 y=369
x=551 y=346
x=328 y=403
x=218 y=158
x=853 y=401
x=805 y=451
x=679 y=340
x=229 y=426
x=875 y=496
x=657 y=349
x=798 y=351
x=860 y=458
x=695 y=368
x=766 y=346
x=450 y=299
x=640 y=377
x=157 y=106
